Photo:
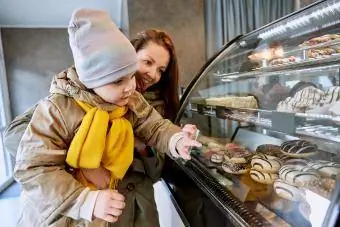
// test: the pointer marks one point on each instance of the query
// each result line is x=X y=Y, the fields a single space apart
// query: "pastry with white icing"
x=302 y=101
x=298 y=148
x=326 y=168
x=267 y=163
x=287 y=191
x=297 y=175
x=262 y=177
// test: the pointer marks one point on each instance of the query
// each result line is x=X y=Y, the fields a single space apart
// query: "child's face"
x=118 y=92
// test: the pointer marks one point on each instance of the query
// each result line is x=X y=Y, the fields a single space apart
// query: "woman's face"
x=153 y=60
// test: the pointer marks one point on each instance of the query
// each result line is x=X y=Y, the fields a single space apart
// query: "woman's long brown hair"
x=168 y=84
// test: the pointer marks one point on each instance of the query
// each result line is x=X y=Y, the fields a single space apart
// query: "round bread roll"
x=326 y=168
x=287 y=191
x=263 y=178
x=235 y=168
x=270 y=164
x=298 y=148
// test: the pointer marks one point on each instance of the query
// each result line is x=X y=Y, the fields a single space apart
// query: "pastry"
x=296 y=161
x=269 y=149
x=268 y=164
x=332 y=95
x=297 y=175
x=320 y=52
x=326 y=168
x=302 y=101
x=235 y=168
x=320 y=39
x=298 y=148
x=263 y=178
x=233 y=101
x=287 y=191
x=217 y=157
x=280 y=61
x=236 y=153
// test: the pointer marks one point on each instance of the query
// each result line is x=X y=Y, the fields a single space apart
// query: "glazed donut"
x=263 y=178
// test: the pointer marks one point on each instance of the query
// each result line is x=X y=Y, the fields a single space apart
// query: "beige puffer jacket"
x=48 y=190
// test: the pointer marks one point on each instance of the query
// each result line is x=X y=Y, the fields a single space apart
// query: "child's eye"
x=118 y=82
x=148 y=62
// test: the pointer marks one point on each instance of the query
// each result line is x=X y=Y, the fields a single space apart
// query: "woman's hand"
x=184 y=145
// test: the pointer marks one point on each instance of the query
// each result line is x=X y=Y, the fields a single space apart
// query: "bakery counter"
x=272 y=185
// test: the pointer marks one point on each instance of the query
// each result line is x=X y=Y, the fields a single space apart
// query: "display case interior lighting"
x=304 y=21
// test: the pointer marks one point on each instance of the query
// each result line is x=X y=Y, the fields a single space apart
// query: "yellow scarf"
x=94 y=146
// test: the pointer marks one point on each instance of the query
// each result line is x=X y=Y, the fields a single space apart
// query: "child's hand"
x=189 y=130
x=109 y=205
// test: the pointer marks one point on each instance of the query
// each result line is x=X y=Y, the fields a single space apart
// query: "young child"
x=74 y=158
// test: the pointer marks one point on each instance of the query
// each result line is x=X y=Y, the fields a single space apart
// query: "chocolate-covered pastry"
x=235 y=168
x=269 y=149
x=298 y=148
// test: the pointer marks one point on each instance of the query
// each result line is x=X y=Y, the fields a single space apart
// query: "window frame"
x=5 y=116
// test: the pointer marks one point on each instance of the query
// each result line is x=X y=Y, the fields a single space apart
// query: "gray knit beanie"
x=101 y=53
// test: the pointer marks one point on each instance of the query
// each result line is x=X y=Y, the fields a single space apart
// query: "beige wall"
x=32 y=57
x=183 y=20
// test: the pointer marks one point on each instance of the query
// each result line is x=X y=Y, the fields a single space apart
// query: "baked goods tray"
x=310 y=65
x=271 y=209
x=236 y=211
x=323 y=126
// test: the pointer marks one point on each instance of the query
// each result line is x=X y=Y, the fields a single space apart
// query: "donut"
x=326 y=168
x=287 y=191
x=235 y=168
x=263 y=178
x=269 y=164
x=298 y=148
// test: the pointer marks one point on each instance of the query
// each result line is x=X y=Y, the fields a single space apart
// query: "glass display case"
x=268 y=110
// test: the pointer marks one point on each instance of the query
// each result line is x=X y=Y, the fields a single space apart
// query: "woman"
x=157 y=80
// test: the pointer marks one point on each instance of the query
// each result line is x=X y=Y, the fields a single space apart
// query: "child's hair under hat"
x=101 y=53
